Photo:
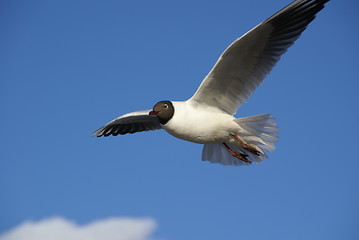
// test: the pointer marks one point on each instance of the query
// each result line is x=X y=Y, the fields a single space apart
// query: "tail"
x=259 y=131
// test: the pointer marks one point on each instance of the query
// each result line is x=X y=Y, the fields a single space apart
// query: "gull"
x=208 y=116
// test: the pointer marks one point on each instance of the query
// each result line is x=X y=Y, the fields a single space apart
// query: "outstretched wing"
x=130 y=123
x=245 y=63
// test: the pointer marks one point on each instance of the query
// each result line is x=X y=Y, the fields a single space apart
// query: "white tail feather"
x=260 y=131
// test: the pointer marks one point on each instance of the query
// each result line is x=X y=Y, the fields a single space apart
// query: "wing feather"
x=245 y=63
x=129 y=123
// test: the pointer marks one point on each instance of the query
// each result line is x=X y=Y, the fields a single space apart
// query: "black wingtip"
x=298 y=7
x=95 y=135
x=98 y=133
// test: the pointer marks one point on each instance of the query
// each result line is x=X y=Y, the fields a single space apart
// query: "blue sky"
x=68 y=67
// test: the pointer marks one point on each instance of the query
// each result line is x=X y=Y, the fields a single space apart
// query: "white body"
x=201 y=124
x=212 y=127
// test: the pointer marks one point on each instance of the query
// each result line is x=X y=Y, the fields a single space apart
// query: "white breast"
x=200 y=124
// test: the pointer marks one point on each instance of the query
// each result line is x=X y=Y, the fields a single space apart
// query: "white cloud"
x=58 y=228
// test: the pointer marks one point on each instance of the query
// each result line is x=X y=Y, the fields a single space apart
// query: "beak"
x=153 y=113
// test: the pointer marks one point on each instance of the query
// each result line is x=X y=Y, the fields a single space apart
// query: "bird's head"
x=164 y=110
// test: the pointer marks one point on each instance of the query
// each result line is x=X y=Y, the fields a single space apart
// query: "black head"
x=164 y=110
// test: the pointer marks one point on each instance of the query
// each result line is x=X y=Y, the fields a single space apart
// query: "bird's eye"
x=165 y=106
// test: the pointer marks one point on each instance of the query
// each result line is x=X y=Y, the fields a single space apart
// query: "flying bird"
x=208 y=116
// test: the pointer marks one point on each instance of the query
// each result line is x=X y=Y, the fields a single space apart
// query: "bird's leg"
x=240 y=156
x=246 y=146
